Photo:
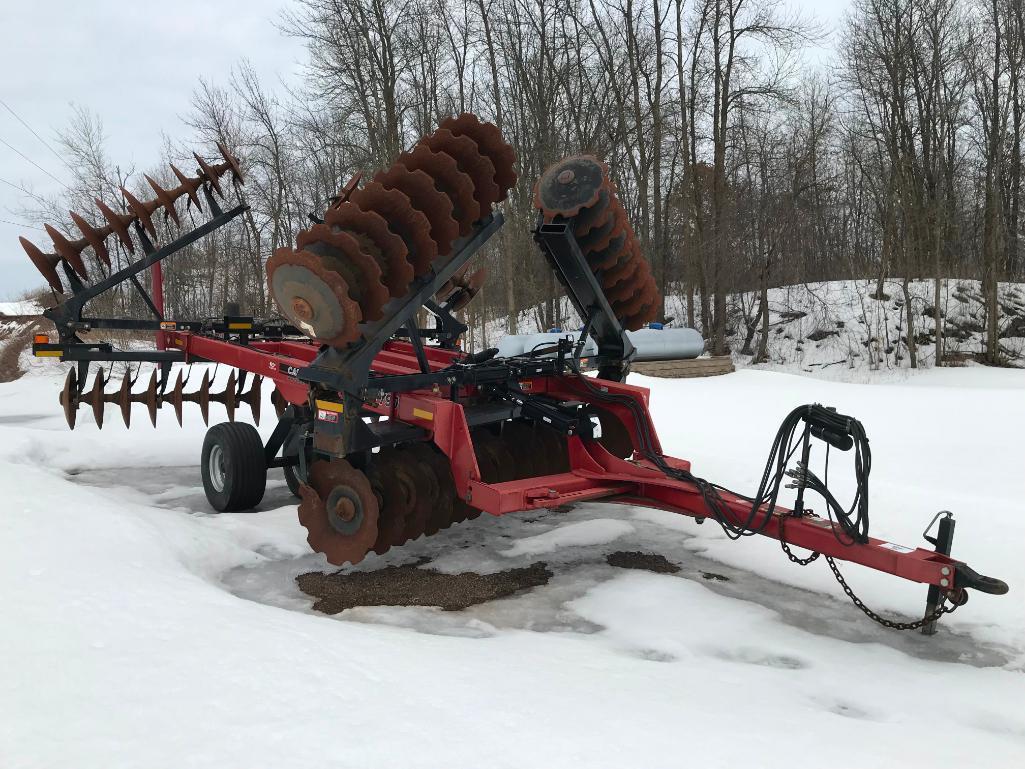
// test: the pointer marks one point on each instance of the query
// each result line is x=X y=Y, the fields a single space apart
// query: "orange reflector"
x=41 y=339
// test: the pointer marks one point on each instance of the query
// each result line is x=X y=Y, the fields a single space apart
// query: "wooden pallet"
x=684 y=369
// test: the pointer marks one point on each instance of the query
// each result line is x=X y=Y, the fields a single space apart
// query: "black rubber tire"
x=244 y=463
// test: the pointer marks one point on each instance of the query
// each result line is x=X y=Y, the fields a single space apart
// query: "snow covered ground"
x=139 y=630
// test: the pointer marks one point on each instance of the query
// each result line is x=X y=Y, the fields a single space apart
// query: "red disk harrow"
x=388 y=431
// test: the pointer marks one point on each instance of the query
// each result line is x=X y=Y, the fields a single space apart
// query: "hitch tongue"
x=967 y=577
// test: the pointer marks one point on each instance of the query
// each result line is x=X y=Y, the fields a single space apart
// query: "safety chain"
x=786 y=548
x=935 y=615
x=932 y=617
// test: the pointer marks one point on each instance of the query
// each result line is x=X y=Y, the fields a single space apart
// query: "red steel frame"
x=595 y=474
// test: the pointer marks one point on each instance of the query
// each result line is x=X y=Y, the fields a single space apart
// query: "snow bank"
x=23 y=307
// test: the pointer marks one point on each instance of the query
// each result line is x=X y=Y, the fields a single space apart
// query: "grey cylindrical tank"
x=651 y=343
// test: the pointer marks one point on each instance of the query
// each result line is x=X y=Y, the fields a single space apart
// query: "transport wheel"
x=233 y=466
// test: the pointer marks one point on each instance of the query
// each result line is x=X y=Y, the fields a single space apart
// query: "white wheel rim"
x=216 y=467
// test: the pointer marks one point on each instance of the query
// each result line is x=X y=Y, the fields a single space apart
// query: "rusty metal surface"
x=471 y=162
x=571 y=185
x=403 y=219
x=489 y=140
x=396 y=269
x=426 y=198
x=347 y=531
x=448 y=179
x=312 y=297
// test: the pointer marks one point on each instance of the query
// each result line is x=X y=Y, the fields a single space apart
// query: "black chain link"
x=889 y=623
x=786 y=548
x=939 y=612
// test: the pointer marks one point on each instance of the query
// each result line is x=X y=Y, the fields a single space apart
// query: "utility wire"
x=32 y=131
x=21 y=224
x=22 y=189
x=30 y=160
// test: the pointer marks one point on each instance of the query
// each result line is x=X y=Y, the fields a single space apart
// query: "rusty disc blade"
x=594 y=215
x=341 y=252
x=626 y=268
x=558 y=449
x=93 y=237
x=124 y=399
x=403 y=219
x=420 y=482
x=643 y=316
x=202 y=397
x=279 y=402
x=489 y=139
x=607 y=257
x=571 y=185
x=395 y=497
x=339 y=511
x=189 y=184
x=641 y=296
x=149 y=398
x=600 y=237
x=96 y=398
x=209 y=174
x=142 y=210
x=313 y=298
x=443 y=490
x=473 y=286
x=232 y=161
x=396 y=269
x=426 y=198
x=45 y=263
x=471 y=162
x=166 y=198
x=448 y=179
x=254 y=398
x=118 y=224
x=177 y=397
x=625 y=276
x=230 y=396
x=69 y=397
x=68 y=251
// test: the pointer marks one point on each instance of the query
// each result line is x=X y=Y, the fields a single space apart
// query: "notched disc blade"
x=339 y=510
x=448 y=179
x=165 y=198
x=489 y=139
x=570 y=185
x=313 y=298
x=342 y=253
x=396 y=269
x=471 y=162
x=403 y=219
x=426 y=198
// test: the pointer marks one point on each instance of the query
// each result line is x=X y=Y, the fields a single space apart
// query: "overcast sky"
x=135 y=65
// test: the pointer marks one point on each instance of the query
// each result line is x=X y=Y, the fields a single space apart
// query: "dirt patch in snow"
x=411 y=585
x=646 y=561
